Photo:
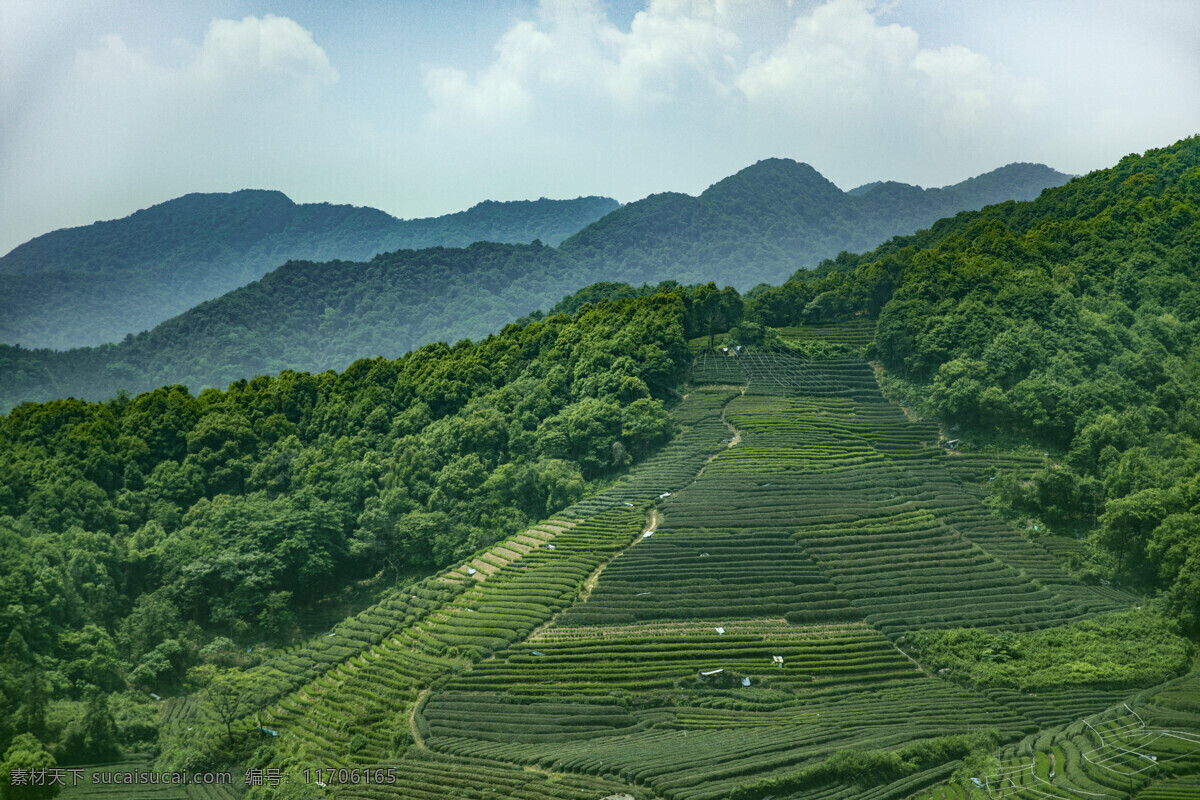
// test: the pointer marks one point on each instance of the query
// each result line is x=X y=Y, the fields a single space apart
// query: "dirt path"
x=418 y=739
x=918 y=664
x=652 y=519
x=734 y=441
x=737 y=435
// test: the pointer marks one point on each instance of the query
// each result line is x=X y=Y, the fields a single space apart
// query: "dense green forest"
x=1072 y=322
x=169 y=543
x=305 y=316
x=97 y=283
x=774 y=217
x=312 y=317
x=143 y=536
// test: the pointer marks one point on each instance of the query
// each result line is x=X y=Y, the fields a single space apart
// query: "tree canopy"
x=140 y=532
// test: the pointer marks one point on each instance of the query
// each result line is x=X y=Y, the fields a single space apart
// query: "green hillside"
x=144 y=537
x=97 y=283
x=312 y=317
x=919 y=524
x=798 y=516
x=1071 y=323
x=772 y=218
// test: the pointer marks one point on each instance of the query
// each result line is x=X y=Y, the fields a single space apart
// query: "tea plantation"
x=743 y=616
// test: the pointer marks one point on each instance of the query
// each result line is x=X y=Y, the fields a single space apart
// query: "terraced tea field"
x=857 y=333
x=109 y=781
x=1116 y=754
x=847 y=336
x=733 y=620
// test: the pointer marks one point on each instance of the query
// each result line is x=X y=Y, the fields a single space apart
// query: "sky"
x=423 y=108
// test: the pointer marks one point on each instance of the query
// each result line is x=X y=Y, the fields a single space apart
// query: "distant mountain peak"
x=883 y=186
x=772 y=185
x=96 y=283
x=1024 y=168
x=774 y=215
x=235 y=199
x=1019 y=179
x=783 y=171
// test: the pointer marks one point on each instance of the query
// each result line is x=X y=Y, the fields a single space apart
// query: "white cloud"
x=857 y=80
x=831 y=75
x=241 y=108
x=251 y=56
x=838 y=55
x=438 y=109
x=574 y=55
x=966 y=92
x=271 y=47
x=247 y=87
x=497 y=95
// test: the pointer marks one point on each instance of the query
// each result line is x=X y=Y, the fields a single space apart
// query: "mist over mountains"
x=97 y=283
x=775 y=217
x=760 y=225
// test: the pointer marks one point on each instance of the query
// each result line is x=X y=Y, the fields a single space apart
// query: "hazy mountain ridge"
x=407 y=298
x=783 y=216
x=99 y=282
x=166 y=234
x=311 y=316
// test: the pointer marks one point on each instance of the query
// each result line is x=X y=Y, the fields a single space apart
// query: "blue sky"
x=423 y=108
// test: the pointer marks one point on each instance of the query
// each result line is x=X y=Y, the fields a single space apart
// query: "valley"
x=759 y=640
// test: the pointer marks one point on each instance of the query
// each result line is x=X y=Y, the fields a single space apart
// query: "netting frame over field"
x=1115 y=747
x=772 y=367
x=767 y=370
x=1144 y=735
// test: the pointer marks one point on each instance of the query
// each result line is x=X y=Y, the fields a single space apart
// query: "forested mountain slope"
x=306 y=316
x=772 y=218
x=757 y=225
x=97 y=283
x=807 y=592
x=143 y=537
x=1072 y=321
